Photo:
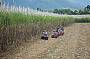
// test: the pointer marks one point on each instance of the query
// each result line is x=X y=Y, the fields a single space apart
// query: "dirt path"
x=75 y=44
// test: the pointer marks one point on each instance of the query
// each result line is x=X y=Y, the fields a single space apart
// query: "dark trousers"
x=44 y=38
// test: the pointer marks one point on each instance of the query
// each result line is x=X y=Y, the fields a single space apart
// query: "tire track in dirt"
x=73 y=45
x=64 y=48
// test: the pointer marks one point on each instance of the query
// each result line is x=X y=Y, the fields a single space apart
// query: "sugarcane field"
x=44 y=29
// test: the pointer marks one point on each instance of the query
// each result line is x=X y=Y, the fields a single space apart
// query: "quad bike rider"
x=54 y=34
x=44 y=35
x=62 y=31
x=58 y=32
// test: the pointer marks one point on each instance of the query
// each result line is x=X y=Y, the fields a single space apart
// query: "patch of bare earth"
x=75 y=44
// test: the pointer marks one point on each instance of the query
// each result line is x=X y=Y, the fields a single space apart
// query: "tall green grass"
x=82 y=20
x=16 y=28
x=18 y=18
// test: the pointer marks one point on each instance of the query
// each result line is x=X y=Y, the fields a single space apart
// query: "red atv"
x=54 y=34
x=60 y=33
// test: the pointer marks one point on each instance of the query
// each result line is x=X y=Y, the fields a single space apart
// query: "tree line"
x=85 y=10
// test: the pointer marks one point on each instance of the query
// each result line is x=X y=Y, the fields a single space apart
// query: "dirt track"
x=75 y=44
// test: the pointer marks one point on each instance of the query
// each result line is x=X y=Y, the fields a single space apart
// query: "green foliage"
x=16 y=27
x=86 y=10
x=18 y=18
x=4 y=19
x=82 y=20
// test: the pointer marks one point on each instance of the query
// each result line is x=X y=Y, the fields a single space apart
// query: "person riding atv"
x=44 y=35
x=54 y=34
x=58 y=32
x=61 y=31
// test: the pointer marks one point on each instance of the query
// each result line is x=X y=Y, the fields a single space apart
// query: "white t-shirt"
x=45 y=34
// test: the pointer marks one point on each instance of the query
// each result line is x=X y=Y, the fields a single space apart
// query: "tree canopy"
x=85 y=10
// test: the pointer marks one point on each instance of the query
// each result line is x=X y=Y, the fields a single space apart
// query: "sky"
x=50 y=4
